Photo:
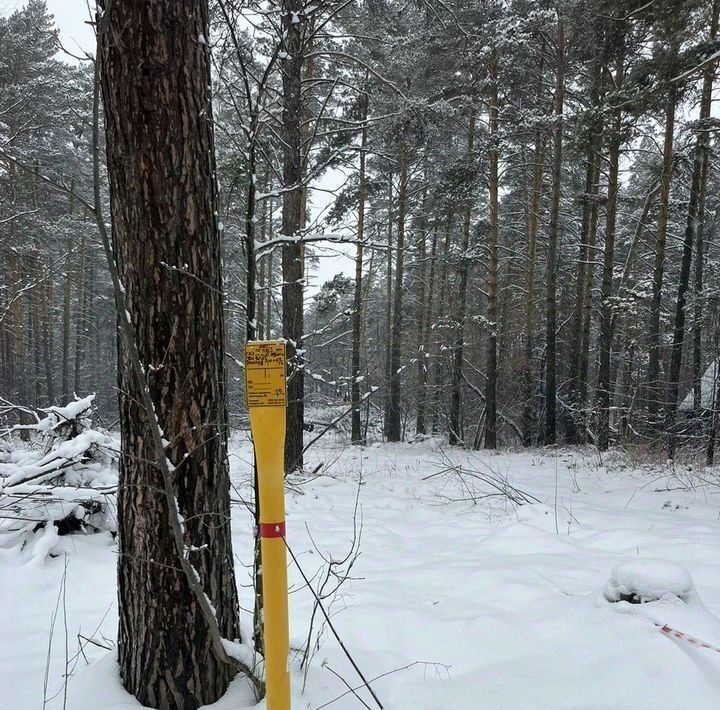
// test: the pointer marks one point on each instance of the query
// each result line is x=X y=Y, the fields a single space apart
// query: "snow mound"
x=640 y=581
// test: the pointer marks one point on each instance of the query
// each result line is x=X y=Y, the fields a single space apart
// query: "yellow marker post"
x=265 y=372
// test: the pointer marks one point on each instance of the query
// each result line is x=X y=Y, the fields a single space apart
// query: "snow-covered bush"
x=64 y=475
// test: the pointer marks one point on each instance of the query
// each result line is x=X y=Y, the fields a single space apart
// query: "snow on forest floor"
x=452 y=605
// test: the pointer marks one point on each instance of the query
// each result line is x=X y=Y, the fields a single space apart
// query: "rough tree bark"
x=292 y=216
x=156 y=90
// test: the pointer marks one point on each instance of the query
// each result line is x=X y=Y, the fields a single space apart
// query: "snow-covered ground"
x=452 y=604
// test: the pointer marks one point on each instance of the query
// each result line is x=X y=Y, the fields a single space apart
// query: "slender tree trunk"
x=424 y=355
x=260 y=327
x=712 y=427
x=292 y=255
x=251 y=333
x=455 y=432
x=18 y=330
x=306 y=128
x=394 y=411
x=492 y=365
x=576 y=430
x=699 y=166
x=532 y=233
x=163 y=200
x=35 y=329
x=714 y=405
x=388 y=309
x=368 y=286
x=700 y=223
x=80 y=322
x=655 y=394
x=47 y=337
x=551 y=316
x=269 y=279
x=17 y=338
x=66 y=322
x=420 y=320
x=586 y=309
x=437 y=352
x=626 y=399
x=640 y=226
x=251 y=266
x=699 y=296
x=603 y=384
x=421 y=373
x=356 y=426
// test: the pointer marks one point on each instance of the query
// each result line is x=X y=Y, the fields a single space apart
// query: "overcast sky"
x=71 y=17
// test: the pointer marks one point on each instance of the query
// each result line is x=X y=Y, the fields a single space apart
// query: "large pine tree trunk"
x=292 y=223
x=156 y=89
x=551 y=314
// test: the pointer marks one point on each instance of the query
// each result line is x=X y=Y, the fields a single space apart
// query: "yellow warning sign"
x=265 y=374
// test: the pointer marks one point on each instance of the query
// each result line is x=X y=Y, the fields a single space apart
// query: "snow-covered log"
x=65 y=474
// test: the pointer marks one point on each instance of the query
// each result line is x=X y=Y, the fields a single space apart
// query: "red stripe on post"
x=272 y=529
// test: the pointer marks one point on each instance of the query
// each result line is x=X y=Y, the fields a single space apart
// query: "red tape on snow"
x=272 y=529
x=674 y=633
